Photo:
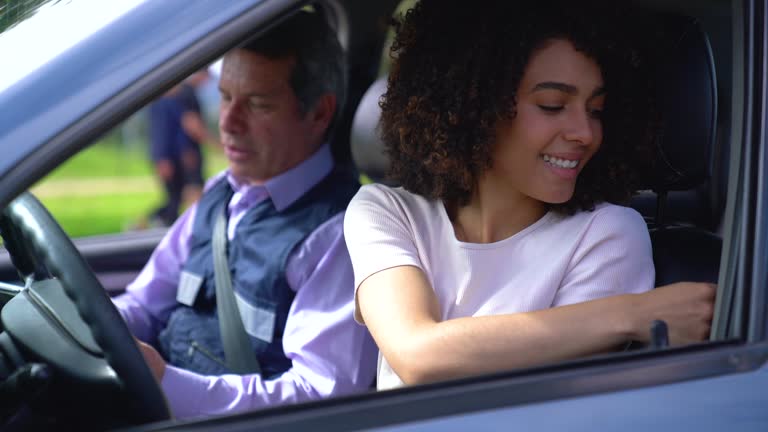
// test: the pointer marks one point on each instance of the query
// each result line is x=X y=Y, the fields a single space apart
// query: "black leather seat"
x=684 y=205
x=684 y=248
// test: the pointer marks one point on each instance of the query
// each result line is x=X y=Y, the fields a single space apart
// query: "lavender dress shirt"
x=331 y=355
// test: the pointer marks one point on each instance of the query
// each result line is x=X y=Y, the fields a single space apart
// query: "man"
x=176 y=131
x=166 y=148
x=196 y=134
x=290 y=269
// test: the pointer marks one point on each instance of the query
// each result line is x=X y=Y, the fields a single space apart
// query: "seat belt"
x=238 y=350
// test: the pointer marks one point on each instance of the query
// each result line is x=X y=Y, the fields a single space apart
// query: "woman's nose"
x=582 y=128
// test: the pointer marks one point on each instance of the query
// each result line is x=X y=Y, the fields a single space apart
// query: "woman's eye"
x=551 y=108
x=596 y=113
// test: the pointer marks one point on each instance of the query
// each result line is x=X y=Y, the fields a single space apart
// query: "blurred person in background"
x=176 y=131
x=196 y=134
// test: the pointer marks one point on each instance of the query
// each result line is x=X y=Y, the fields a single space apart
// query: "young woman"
x=514 y=131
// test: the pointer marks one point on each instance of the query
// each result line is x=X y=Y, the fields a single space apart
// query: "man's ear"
x=322 y=113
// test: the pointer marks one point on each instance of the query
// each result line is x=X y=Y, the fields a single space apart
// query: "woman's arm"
x=401 y=312
x=400 y=308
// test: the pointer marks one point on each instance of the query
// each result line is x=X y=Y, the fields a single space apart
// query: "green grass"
x=85 y=212
x=109 y=159
x=104 y=160
x=85 y=216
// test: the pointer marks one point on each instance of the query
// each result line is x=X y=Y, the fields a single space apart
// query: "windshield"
x=33 y=32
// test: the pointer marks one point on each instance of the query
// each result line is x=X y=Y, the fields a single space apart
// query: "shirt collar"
x=285 y=188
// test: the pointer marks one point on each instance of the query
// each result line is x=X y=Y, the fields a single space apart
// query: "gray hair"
x=320 y=62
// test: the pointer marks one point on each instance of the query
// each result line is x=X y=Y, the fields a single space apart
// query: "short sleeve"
x=614 y=257
x=378 y=234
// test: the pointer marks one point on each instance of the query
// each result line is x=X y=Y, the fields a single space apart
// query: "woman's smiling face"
x=557 y=126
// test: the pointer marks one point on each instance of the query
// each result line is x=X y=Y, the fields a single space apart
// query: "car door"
x=709 y=386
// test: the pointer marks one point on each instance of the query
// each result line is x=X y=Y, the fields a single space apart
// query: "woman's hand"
x=686 y=307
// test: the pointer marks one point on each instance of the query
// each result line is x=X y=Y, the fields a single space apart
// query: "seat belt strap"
x=238 y=350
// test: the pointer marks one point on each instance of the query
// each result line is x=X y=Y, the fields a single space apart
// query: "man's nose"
x=582 y=128
x=230 y=118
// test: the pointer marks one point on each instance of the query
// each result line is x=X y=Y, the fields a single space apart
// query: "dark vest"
x=257 y=254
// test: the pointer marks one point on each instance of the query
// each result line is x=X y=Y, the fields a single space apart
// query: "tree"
x=15 y=11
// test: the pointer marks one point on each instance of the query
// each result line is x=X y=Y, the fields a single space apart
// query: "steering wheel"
x=34 y=240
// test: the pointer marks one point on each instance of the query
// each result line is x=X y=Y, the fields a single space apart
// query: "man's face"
x=263 y=130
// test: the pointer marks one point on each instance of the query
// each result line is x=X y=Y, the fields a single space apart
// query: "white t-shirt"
x=558 y=260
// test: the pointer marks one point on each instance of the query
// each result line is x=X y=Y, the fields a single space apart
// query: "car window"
x=694 y=197
x=113 y=186
x=655 y=380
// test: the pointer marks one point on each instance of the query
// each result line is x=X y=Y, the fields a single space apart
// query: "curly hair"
x=456 y=70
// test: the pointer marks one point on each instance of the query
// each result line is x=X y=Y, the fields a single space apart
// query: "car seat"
x=682 y=204
x=366 y=145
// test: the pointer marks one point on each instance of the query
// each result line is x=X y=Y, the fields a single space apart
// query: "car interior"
x=683 y=199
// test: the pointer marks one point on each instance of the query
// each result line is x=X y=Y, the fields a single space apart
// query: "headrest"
x=367 y=147
x=687 y=101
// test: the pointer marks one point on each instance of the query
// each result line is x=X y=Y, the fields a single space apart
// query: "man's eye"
x=259 y=105
x=551 y=108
